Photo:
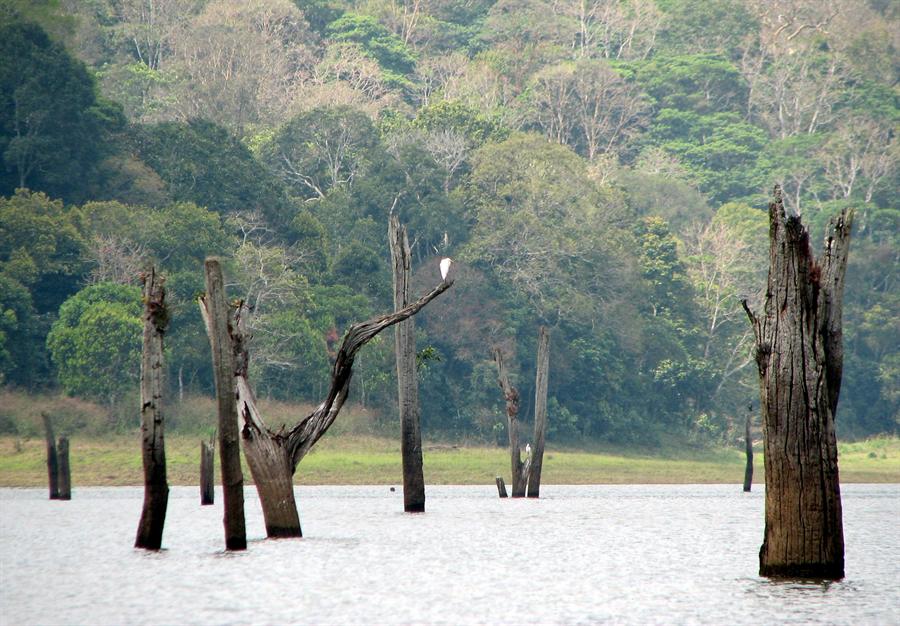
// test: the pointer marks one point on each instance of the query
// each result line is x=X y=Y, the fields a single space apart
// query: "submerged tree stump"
x=407 y=381
x=540 y=412
x=748 y=450
x=52 y=458
x=799 y=355
x=501 y=487
x=65 y=472
x=207 y=465
x=519 y=473
x=217 y=317
x=153 y=448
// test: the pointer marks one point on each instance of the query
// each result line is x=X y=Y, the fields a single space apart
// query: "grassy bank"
x=356 y=459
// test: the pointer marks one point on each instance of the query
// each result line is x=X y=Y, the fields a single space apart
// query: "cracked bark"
x=273 y=456
x=799 y=356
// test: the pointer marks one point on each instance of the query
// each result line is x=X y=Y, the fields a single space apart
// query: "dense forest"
x=601 y=167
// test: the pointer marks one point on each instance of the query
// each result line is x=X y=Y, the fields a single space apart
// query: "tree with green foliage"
x=96 y=342
x=54 y=129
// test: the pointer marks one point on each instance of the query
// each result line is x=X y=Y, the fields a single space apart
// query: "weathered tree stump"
x=540 y=412
x=519 y=473
x=207 y=465
x=748 y=450
x=153 y=448
x=799 y=355
x=65 y=472
x=52 y=458
x=501 y=487
x=407 y=381
x=273 y=456
x=217 y=316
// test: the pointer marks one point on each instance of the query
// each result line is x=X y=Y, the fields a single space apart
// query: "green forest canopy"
x=601 y=167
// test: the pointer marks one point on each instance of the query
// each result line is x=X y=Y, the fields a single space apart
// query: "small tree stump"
x=501 y=487
x=65 y=474
x=207 y=467
x=52 y=459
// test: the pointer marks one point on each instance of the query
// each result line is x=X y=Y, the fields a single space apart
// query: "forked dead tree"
x=273 y=455
x=799 y=354
x=153 y=449
x=518 y=467
x=407 y=381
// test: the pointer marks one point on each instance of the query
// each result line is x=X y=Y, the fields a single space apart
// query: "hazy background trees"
x=600 y=166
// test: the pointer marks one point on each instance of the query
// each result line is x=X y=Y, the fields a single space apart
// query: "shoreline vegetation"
x=361 y=449
x=349 y=459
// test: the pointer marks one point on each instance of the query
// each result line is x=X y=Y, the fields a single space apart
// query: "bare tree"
x=799 y=354
x=116 y=259
x=519 y=469
x=613 y=29
x=273 y=456
x=862 y=153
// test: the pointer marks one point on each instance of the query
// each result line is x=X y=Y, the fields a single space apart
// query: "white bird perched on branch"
x=445 y=267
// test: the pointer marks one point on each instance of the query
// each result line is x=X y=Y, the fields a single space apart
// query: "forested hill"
x=601 y=167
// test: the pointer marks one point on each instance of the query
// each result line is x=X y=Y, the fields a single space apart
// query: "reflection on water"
x=646 y=554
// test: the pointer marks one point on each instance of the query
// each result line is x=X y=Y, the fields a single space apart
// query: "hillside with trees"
x=600 y=167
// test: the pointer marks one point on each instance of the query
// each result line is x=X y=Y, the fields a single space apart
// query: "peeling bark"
x=540 y=412
x=273 y=456
x=407 y=383
x=153 y=449
x=799 y=356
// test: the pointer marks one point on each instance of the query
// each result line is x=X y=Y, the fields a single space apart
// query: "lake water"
x=645 y=554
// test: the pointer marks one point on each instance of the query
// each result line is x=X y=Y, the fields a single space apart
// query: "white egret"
x=445 y=267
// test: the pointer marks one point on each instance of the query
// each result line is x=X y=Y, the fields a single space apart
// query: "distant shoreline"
x=365 y=460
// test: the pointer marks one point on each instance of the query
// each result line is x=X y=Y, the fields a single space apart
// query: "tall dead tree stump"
x=407 y=382
x=518 y=469
x=799 y=355
x=540 y=412
x=218 y=322
x=153 y=448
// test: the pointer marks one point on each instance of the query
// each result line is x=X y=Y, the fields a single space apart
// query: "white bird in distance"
x=445 y=267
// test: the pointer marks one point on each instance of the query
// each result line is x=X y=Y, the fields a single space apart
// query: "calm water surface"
x=645 y=554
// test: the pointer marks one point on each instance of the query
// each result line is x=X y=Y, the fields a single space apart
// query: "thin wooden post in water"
x=501 y=487
x=153 y=447
x=748 y=449
x=207 y=465
x=229 y=445
x=52 y=460
x=407 y=381
x=65 y=473
x=540 y=412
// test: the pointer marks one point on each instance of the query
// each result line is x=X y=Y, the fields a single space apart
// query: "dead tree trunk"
x=540 y=412
x=748 y=450
x=217 y=317
x=519 y=473
x=52 y=459
x=153 y=448
x=800 y=357
x=501 y=487
x=407 y=383
x=273 y=456
x=65 y=472
x=207 y=467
